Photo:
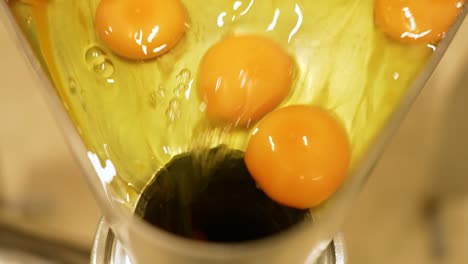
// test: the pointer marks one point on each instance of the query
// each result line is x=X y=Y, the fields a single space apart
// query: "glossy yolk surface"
x=244 y=77
x=298 y=155
x=417 y=21
x=140 y=29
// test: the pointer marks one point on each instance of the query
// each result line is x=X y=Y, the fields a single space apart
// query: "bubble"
x=29 y=20
x=104 y=69
x=155 y=98
x=202 y=107
x=72 y=85
x=94 y=55
x=179 y=90
x=174 y=103
x=172 y=115
x=161 y=92
x=96 y=58
x=183 y=75
x=173 y=110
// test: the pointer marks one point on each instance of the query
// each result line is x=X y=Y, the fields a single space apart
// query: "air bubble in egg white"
x=72 y=85
x=173 y=110
x=179 y=90
x=94 y=55
x=184 y=75
x=104 y=69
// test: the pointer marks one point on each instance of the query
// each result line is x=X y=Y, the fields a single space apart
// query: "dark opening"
x=211 y=196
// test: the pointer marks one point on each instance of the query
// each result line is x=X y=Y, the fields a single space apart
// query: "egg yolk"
x=298 y=155
x=244 y=77
x=140 y=29
x=417 y=21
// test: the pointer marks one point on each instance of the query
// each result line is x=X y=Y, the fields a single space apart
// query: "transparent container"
x=303 y=243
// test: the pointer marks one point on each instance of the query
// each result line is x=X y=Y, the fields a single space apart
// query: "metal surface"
x=108 y=250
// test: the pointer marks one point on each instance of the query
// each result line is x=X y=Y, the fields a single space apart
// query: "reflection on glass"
x=140 y=108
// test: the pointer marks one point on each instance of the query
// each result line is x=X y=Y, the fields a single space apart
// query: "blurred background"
x=414 y=208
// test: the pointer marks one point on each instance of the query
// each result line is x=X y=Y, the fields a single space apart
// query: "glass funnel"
x=127 y=120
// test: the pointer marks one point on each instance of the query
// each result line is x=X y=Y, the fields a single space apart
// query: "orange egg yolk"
x=140 y=29
x=244 y=77
x=417 y=21
x=298 y=155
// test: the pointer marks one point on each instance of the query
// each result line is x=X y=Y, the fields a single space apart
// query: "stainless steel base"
x=108 y=250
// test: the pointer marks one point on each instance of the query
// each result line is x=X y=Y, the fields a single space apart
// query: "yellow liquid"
x=138 y=115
